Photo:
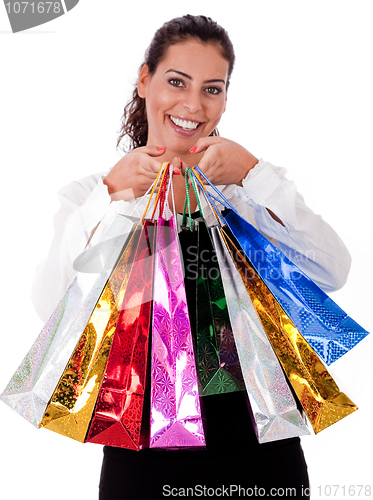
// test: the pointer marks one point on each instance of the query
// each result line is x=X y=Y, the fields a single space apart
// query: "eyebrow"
x=190 y=78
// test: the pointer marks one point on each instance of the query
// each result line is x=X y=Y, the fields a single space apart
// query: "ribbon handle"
x=188 y=174
x=161 y=174
x=165 y=195
x=195 y=174
x=226 y=203
x=219 y=218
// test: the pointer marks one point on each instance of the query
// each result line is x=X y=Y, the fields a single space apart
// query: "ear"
x=143 y=81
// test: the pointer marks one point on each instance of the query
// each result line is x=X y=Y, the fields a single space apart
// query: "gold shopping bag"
x=318 y=393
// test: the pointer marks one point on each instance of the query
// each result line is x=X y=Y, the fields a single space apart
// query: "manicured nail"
x=193 y=149
x=176 y=172
x=161 y=149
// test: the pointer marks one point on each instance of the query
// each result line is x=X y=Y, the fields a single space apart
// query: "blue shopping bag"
x=325 y=326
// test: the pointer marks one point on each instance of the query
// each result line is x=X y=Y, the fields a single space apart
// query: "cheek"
x=216 y=111
x=158 y=101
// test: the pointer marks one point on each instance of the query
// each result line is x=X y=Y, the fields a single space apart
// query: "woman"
x=178 y=101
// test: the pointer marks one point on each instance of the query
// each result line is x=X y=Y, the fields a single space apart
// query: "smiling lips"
x=186 y=125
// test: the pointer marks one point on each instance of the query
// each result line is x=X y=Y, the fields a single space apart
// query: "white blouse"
x=305 y=237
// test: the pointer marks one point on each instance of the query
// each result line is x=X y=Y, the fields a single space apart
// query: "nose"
x=192 y=100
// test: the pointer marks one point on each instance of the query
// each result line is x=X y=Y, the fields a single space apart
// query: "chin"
x=181 y=147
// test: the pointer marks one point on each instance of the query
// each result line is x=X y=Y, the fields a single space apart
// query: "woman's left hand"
x=224 y=161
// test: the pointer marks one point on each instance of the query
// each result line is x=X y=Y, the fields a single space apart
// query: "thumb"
x=204 y=142
x=152 y=150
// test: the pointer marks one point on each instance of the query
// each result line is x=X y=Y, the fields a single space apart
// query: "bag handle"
x=188 y=174
x=226 y=203
x=171 y=186
x=161 y=195
x=164 y=194
x=219 y=218
x=161 y=174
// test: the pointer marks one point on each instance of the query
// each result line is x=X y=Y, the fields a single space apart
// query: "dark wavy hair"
x=134 y=120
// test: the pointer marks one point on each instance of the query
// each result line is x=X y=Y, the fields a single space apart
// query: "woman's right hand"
x=133 y=175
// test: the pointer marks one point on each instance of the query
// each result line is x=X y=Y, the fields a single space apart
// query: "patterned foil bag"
x=218 y=363
x=315 y=388
x=73 y=400
x=274 y=409
x=188 y=240
x=175 y=408
x=119 y=417
x=32 y=385
x=326 y=327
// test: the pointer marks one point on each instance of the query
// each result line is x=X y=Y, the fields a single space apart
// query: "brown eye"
x=175 y=82
x=213 y=90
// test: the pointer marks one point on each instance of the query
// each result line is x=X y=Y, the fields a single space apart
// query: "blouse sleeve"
x=306 y=239
x=83 y=205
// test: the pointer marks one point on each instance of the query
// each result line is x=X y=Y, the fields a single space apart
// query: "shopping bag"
x=217 y=359
x=71 y=405
x=315 y=388
x=32 y=385
x=188 y=243
x=219 y=366
x=120 y=417
x=118 y=414
x=275 y=411
x=325 y=326
x=175 y=408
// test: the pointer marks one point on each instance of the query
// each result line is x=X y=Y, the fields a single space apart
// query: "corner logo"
x=25 y=15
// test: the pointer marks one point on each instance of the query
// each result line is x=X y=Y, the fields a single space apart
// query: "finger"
x=205 y=142
x=207 y=162
x=184 y=166
x=151 y=167
x=151 y=150
x=176 y=163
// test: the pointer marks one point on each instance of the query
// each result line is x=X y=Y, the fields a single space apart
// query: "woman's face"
x=186 y=96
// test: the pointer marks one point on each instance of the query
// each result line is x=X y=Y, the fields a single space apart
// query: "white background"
x=300 y=97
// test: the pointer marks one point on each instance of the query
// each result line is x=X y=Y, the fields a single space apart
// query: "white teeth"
x=187 y=125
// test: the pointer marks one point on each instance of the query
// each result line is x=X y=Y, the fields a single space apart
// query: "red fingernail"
x=176 y=172
x=161 y=149
x=193 y=149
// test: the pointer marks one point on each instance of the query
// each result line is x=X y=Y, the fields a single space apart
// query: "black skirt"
x=233 y=464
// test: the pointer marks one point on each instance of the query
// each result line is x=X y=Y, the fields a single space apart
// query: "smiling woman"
x=185 y=103
x=178 y=101
x=183 y=98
